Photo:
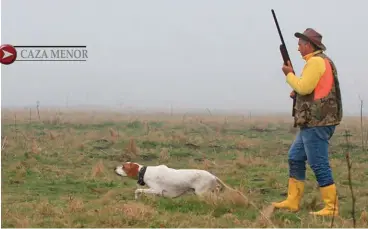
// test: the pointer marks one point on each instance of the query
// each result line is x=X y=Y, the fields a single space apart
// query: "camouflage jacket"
x=311 y=112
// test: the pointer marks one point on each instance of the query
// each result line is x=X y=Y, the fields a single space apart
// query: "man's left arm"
x=309 y=78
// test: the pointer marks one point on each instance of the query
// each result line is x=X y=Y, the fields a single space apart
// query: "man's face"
x=304 y=47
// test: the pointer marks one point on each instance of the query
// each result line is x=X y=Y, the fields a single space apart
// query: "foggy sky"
x=189 y=54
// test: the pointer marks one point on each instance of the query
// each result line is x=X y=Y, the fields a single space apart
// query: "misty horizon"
x=163 y=55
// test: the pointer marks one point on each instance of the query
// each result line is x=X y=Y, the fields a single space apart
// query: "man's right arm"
x=311 y=74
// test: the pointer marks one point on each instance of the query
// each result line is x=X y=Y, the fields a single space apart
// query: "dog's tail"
x=230 y=188
x=246 y=198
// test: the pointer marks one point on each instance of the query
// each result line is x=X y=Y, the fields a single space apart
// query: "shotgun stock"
x=284 y=54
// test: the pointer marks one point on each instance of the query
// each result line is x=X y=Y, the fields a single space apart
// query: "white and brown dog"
x=168 y=182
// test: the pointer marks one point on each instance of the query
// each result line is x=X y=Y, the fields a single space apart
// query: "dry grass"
x=58 y=172
x=132 y=147
x=98 y=169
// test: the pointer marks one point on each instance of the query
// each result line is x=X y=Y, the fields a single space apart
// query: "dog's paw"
x=136 y=194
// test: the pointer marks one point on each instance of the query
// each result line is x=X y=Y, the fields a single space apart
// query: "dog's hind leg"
x=207 y=188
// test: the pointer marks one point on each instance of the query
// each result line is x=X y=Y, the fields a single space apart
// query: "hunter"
x=318 y=111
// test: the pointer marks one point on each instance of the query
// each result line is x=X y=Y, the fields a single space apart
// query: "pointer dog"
x=168 y=182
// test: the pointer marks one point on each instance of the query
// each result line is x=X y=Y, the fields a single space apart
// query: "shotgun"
x=284 y=53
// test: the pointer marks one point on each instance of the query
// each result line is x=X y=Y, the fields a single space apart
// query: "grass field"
x=57 y=170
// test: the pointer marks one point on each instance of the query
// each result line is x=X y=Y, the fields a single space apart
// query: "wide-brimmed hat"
x=312 y=36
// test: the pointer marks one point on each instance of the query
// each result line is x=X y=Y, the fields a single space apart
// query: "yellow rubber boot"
x=295 y=193
x=329 y=196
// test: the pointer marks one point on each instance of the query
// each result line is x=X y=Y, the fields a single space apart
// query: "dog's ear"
x=131 y=169
x=127 y=167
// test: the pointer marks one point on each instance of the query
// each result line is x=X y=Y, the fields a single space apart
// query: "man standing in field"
x=318 y=111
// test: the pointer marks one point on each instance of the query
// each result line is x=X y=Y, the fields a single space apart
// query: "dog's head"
x=128 y=169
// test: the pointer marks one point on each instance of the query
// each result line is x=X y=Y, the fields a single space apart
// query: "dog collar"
x=141 y=173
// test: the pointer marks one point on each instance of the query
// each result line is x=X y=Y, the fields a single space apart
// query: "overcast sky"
x=191 y=54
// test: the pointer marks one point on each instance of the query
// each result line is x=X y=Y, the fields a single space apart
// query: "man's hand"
x=287 y=68
x=292 y=94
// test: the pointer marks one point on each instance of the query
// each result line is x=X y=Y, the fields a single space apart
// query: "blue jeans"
x=311 y=144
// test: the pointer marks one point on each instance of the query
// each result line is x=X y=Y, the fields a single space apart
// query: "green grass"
x=69 y=180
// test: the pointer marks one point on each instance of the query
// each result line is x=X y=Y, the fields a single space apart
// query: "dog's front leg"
x=146 y=191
